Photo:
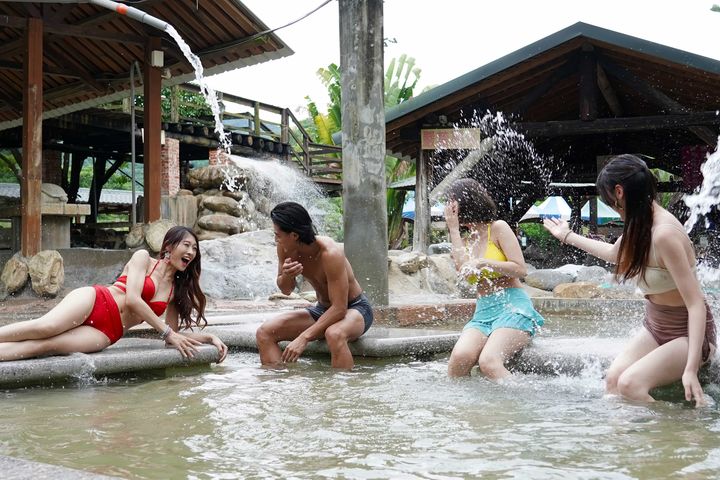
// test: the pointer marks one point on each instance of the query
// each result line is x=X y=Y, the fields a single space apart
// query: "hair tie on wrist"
x=564 y=240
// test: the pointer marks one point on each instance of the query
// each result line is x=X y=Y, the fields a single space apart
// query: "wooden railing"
x=288 y=137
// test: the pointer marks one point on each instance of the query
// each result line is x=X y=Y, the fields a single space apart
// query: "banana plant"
x=400 y=80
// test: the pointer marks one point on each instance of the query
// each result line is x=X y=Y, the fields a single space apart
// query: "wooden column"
x=31 y=180
x=588 y=84
x=152 y=124
x=421 y=226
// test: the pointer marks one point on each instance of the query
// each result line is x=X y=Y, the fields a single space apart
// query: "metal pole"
x=133 y=214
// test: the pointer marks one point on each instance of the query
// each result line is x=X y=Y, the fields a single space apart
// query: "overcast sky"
x=452 y=37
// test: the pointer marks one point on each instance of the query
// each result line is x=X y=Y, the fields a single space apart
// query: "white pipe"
x=121 y=8
x=461 y=169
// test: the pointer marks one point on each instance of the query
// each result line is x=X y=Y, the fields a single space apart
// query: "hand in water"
x=693 y=389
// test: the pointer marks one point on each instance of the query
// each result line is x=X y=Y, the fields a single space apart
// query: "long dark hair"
x=639 y=187
x=474 y=203
x=291 y=217
x=188 y=295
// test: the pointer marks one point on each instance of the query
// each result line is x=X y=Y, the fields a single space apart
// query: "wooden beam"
x=623 y=124
x=657 y=97
x=153 y=125
x=48 y=71
x=588 y=84
x=608 y=92
x=31 y=220
x=541 y=89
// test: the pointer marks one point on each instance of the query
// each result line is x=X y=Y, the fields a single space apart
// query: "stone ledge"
x=127 y=355
x=19 y=469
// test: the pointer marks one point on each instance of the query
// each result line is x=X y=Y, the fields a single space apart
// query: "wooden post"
x=256 y=119
x=31 y=180
x=593 y=214
x=285 y=133
x=588 y=84
x=421 y=227
x=152 y=163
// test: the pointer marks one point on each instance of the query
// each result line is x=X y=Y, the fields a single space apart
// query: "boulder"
x=51 y=193
x=595 y=274
x=222 y=204
x=545 y=279
x=136 y=236
x=155 y=233
x=411 y=262
x=214 y=176
x=242 y=266
x=437 y=248
x=220 y=222
x=577 y=290
x=15 y=274
x=47 y=273
x=208 y=234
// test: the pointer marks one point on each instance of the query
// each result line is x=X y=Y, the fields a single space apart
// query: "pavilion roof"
x=88 y=50
x=541 y=83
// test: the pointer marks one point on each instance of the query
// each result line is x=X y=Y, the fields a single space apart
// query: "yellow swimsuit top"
x=492 y=252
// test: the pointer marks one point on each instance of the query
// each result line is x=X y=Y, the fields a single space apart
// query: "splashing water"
x=205 y=89
x=701 y=203
x=509 y=165
x=708 y=196
x=278 y=183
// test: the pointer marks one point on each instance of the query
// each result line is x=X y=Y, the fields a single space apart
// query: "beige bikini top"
x=657 y=279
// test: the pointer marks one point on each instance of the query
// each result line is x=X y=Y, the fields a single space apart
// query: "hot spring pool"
x=395 y=418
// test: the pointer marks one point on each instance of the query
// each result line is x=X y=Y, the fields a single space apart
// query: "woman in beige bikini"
x=678 y=333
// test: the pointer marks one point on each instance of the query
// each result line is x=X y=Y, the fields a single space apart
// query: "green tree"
x=400 y=80
x=715 y=8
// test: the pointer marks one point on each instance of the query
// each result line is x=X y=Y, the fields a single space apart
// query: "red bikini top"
x=148 y=292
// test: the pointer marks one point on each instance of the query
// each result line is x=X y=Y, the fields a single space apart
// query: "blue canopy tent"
x=605 y=214
x=408 y=213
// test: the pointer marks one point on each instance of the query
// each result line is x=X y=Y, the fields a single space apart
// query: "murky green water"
x=386 y=419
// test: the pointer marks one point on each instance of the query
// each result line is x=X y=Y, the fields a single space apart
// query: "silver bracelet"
x=166 y=332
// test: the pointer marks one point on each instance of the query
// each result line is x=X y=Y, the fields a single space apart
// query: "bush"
x=538 y=235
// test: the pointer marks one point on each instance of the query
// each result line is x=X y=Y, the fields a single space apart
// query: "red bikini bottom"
x=105 y=315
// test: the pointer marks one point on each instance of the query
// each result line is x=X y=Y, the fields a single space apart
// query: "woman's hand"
x=294 y=349
x=187 y=346
x=692 y=388
x=222 y=348
x=558 y=228
x=451 y=215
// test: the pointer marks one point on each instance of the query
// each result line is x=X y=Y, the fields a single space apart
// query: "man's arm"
x=287 y=271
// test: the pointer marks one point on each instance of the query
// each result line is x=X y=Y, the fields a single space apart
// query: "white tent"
x=605 y=214
x=551 y=207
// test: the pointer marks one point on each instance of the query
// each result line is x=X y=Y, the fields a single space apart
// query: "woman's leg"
x=639 y=346
x=502 y=345
x=662 y=366
x=82 y=339
x=71 y=312
x=466 y=352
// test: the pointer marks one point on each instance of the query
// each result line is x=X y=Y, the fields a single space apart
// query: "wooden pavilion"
x=579 y=95
x=66 y=56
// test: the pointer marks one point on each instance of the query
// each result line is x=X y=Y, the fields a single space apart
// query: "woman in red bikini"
x=678 y=333
x=90 y=319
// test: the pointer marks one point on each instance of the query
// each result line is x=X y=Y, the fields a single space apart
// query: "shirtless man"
x=342 y=313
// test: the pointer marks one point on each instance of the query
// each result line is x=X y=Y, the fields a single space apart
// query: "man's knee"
x=335 y=335
x=264 y=334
